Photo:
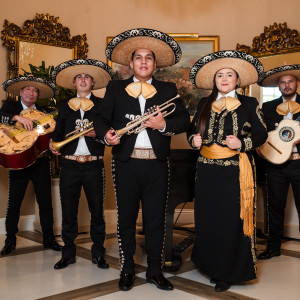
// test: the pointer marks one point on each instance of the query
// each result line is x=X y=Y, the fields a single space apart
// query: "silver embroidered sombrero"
x=65 y=73
x=271 y=77
x=47 y=89
x=120 y=48
x=203 y=71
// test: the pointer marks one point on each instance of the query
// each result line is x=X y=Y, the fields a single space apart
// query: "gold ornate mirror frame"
x=276 y=39
x=43 y=29
x=276 y=43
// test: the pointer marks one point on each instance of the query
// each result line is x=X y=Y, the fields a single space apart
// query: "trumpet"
x=131 y=127
x=73 y=135
x=136 y=126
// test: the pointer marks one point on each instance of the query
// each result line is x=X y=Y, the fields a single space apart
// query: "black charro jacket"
x=246 y=123
x=68 y=120
x=118 y=108
x=11 y=108
x=272 y=118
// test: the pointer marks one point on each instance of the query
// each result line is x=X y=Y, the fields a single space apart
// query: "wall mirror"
x=42 y=39
x=278 y=45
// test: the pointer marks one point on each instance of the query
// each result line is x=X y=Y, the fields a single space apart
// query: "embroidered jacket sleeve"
x=58 y=134
x=257 y=133
x=103 y=120
x=7 y=112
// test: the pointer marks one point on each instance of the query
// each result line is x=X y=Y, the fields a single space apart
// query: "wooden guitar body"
x=20 y=148
x=279 y=145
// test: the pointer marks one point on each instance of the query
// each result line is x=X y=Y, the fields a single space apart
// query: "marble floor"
x=28 y=274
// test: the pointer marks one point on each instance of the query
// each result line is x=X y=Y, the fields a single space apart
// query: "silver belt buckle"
x=81 y=159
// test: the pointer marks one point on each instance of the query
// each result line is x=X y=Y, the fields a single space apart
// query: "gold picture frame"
x=193 y=47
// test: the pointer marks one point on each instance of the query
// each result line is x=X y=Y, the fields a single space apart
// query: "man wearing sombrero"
x=225 y=128
x=28 y=89
x=281 y=176
x=82 y=158
x=140 y=165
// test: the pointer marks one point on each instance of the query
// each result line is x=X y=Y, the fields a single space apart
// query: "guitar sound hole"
x=286 y=134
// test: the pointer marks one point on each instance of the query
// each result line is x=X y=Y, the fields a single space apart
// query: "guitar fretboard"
x=16 y=131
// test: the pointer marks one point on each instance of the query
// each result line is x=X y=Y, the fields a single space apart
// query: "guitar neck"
x=16 y=131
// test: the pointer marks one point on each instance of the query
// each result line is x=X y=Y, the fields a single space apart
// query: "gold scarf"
x=229 y=102
x=136 y=88
x=80 y=102
x=246 y=182
x=288 y=106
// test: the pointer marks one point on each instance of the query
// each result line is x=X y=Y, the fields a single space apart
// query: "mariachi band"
x=137 y=118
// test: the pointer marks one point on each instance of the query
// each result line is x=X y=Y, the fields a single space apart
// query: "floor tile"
x=32 y=275
x=149 y=292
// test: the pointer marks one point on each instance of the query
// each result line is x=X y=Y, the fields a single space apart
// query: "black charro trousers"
x=39 y=174
x=89 y=175
x=144 y=180
x=279 y=178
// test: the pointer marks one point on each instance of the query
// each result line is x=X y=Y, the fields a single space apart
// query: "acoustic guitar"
x=20 y=148
x=279 y=145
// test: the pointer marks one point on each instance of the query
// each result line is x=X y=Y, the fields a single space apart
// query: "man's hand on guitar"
x=52 y=148
x=259 y=153
x=27 y=123
x=297 y=142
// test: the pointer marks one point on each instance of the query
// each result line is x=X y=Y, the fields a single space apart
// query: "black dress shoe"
x=53 y=245
x=222 y=286
x=269 y=253
x=8 y=248
x=126 y=282
x=101 y=262
x=161 y=282
x=213 y=280
x=64 y=262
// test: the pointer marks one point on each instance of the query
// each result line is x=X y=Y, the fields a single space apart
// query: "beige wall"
x=235 y=21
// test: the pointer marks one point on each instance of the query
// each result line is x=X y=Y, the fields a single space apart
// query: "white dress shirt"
x=142 y=140
x=230 y=94
x=82 y=148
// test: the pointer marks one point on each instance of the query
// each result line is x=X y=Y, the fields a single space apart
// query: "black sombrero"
x=120 y=48
x=46 y=88
x=271 y=77
x=203 y=71
x=65 y=73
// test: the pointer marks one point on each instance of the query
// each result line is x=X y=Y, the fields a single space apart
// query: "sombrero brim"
x=248 y=67
x=47 y=90
x=271 y=77
x=167 y=50
x=65 y=73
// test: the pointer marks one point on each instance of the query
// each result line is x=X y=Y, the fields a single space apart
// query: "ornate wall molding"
x=43 y=29
x=276 y=39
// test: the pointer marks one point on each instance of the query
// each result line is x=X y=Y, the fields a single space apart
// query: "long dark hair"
x=205 y=111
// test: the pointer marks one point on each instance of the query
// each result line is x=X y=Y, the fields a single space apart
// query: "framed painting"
x=193 y=47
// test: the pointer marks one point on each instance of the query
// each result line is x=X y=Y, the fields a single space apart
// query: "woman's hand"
x=233 y=142
x=197 y=140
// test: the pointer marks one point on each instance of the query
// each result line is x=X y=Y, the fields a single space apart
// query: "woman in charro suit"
x=225 y=128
